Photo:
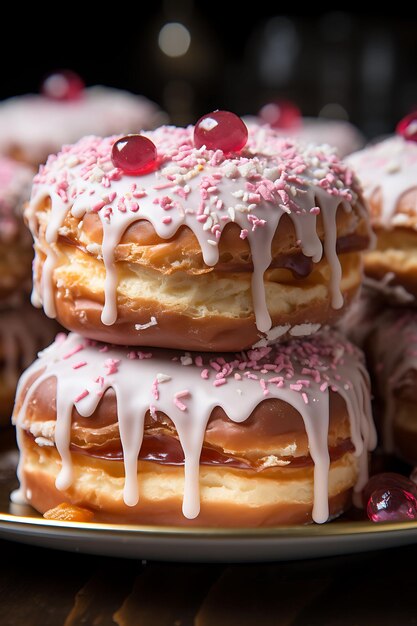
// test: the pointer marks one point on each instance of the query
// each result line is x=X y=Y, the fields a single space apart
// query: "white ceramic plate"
x=23 y=524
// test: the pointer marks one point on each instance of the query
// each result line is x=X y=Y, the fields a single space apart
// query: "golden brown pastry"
x=276 y=435
x=208 y=251
x=388 y=172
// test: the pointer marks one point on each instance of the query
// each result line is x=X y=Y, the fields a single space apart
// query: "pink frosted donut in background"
x=33 y=125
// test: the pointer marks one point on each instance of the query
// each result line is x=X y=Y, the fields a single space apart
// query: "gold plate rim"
x=331 y=529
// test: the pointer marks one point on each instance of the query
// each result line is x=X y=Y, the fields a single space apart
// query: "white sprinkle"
x=42 y=441
x=304 y=329
x=239 y=391
x=152 y=322
x=231 y=213
x=72 y=161
x=208 y=224
x=211 y=242
x=96 y=175
x=162 y=378
x=186 y=360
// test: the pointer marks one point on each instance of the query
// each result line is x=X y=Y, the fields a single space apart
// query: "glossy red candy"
x=220 y=130
x=282 y=114
x=392 y=505
x=65 y=85
x=387 y=480
x=134 y=154
x=407 y=127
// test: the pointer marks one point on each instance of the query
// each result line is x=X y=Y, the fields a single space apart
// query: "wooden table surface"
x=41 y=587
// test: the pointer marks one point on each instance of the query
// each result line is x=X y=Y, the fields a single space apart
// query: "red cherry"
x=281 y=114
x=220 y=130
x=407 y=127
x=392 y=505
x=134 y=154
x=387 y=480
x=65 y=85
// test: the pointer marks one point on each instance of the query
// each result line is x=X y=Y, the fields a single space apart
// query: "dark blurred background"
x=190 y=59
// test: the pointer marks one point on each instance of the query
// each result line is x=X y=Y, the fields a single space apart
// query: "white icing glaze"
x=389 y=167
x=187 y=389
x=203 y=190
x=38 y=125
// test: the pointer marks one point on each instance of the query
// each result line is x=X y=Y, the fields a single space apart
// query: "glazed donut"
x=388 y=172
x=33 y=126
x=23 y=332
x=273 y=435
x=392 y=352
x=15 y=241
x=209 y=252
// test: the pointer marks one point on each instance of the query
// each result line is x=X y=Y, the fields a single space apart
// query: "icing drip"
x=390 y=168
x=203 y=190
x=301 y=373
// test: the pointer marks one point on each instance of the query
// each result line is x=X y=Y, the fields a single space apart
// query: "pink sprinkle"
x=73 y=351
x=82 y=395
x=152 y=411
x=104 y=349
x=215 y=366
x=112 y=366
x=183 y=394
x=179 y=404
x=315 y=210
x=198 y=361
x=304 y=397
x=237 y=376
x=96 y=208
x=205 y=374
x=244 y=233
x=155 y=391
x=296 y=387
x=79 y=364
x=202 y=218
x=132 y=355
x=134 y=207
x=219 y=382
x=323 y=386
x=167 y=220
x=99 y=380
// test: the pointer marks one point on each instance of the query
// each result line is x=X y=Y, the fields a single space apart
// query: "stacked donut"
x=198 y=270
x=387 y=311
